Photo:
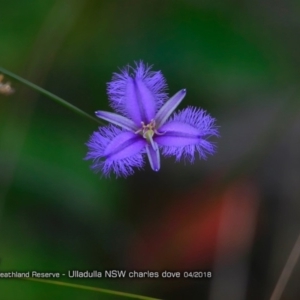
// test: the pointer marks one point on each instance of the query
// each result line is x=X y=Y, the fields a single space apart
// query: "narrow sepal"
x=116 y=120
x=169 y=107
x=154 y=157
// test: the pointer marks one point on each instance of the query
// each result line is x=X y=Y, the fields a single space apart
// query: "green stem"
x=49 y=95
x=287 y=271
x=94 y=289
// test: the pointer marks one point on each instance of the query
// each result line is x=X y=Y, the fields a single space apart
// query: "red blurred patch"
x=196 y=228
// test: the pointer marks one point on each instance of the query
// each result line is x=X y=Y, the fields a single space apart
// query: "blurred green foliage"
x=55 y=213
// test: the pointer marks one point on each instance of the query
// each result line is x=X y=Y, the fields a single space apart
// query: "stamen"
x=148 y=131
x=149 y=137
x=159 y=133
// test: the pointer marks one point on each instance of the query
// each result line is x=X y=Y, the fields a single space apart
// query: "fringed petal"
x=187 y=133
x=115 y=150
x=138 y=94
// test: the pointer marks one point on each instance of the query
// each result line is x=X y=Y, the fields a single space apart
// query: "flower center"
x=148 y=131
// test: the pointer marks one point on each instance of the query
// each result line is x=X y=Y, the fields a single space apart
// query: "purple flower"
x=144 y=125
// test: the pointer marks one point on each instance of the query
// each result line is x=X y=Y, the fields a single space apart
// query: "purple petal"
x=168 y=108
x=117 y=120
x=154 y=157
x=178 y=134
x=187 y=133
x=115 y=150
x=137 y=95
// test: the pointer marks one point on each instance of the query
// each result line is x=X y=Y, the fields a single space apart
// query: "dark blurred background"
x=236 y=214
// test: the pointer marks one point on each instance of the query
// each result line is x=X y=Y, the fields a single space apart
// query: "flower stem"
x=94 y=289
x=49 y=95
x=287 y=271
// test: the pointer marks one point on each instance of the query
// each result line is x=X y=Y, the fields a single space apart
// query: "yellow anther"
x=148 y=131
